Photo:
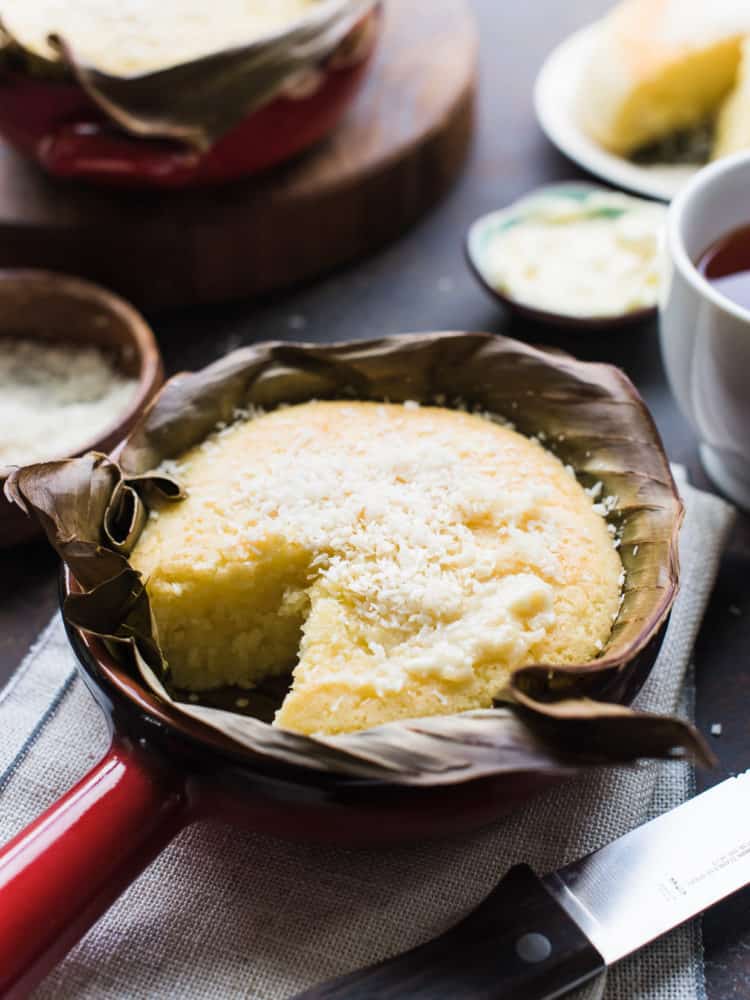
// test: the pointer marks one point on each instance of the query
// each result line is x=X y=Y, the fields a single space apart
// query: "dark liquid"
x=726 y=264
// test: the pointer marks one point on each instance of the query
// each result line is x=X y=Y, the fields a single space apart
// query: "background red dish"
x=57 y=124
x=166 y=769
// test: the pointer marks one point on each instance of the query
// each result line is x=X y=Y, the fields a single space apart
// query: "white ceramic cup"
x=705 y=337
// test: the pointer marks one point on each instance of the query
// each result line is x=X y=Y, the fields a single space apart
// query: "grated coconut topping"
x=129 y=37
x=394 y=528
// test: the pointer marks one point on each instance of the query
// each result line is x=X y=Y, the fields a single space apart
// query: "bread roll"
x=659 y=66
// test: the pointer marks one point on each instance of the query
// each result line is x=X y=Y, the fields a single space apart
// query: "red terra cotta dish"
x=57 y=124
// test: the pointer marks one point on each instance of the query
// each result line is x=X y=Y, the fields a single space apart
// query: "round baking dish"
x=166 y=769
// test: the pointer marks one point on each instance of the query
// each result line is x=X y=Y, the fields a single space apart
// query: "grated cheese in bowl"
x=56 y=399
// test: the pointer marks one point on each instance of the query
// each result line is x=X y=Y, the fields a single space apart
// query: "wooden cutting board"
x=401 y=145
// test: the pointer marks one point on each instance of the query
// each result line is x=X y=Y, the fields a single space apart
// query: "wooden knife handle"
x=519 y=944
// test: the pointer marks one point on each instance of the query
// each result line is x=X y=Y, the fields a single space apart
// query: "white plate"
x=555 y=100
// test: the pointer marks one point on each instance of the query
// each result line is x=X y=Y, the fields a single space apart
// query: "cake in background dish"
x=663 y=67
x=403 y=559
x=733 y=123
x=124 y=39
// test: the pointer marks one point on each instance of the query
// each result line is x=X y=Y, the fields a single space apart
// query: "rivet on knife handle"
x=519 y=944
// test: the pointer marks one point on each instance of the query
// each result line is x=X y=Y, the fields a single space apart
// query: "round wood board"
x=401 y=145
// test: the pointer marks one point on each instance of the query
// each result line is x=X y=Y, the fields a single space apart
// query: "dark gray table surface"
x=421 y=283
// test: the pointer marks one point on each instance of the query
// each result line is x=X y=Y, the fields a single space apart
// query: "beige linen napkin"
x=224 y=913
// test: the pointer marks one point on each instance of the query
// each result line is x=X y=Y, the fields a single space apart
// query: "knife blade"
x=662 y=873
x=539 y=938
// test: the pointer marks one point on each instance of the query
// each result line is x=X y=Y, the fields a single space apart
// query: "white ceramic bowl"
x=705 y=337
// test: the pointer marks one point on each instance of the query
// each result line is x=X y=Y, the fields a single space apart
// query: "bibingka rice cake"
x=403 y=559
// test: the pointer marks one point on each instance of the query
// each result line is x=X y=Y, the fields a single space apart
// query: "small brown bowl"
x=474 y=246
x=54 y=307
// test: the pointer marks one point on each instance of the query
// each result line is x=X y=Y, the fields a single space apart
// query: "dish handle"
x=61 y=873
x=96 y=150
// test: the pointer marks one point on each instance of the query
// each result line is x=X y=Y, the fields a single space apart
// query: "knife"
x=539 y=938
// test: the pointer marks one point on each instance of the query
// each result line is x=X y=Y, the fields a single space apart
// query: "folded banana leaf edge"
x=550 y=719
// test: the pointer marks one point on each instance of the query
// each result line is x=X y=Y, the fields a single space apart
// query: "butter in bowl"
x=573 y=254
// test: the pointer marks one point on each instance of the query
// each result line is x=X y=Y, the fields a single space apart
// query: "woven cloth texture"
x=224 y=913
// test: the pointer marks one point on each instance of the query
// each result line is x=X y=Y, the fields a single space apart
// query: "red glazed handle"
x=95 y=149
x=59 y=875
